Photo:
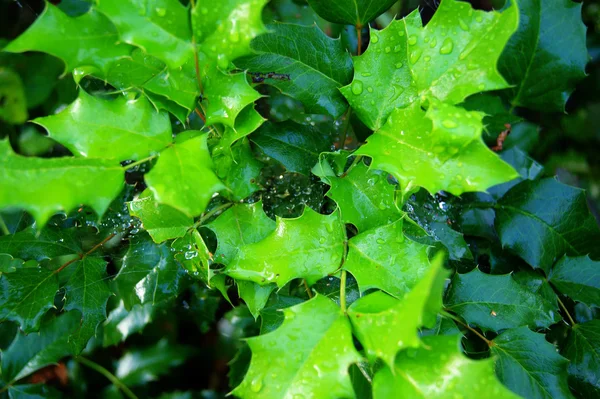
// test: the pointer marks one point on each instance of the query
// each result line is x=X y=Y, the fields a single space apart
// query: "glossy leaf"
x=308 y=370
x=193 y=254
x=13 y=108
x=385 y=325
x=547 y=55
x=92 y=39
x=384 y=259
x=183 y=177
x=48 y=243
x=529 y=365
x=31 y=352
x=120 y=129
x=94 y=182
x=159 y=27
x=87 y=291
x=496 y=302
x=582 y=348
x=440 y=149
x=26 y=295
x=312 y=66
x=555 y=213
x=350 y=12
x=255 y=295
x=364 y=196
x=451 y=58
x=578 y=278
x=309 y=247
x=439 y=369
x=121 y=323
x=162 y=222
x=237 y=168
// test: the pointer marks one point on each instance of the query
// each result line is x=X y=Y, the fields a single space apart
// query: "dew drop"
x=399 y=65
x=415 y=56
x=357 y=87
x=412 y=40
x=433 y=43
x=374 y=38
x=450 y=124
x=380 y=241
x=370 y=89
x=161 y=12
x=256 y=384
x=427 y=58
x=447 y=46
x=463 y=25
x=388 y=49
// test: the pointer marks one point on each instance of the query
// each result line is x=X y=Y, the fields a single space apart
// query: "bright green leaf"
x=13 y=105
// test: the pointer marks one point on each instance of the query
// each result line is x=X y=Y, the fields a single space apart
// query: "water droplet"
x=380 y=241
x=370 y=89
x=388 y=49
x=365 y=74
x=399 y=65
x=190 y=254
x=412 y=40
x=479 y=18
x=433 y=43
x=415 y=55
x=256 y=384
x=463 y=25
x=161 y=12
x=374 y=37
x=450 y=124
x=357 y=87
x=322 y=240
x=397 y=48
x=427 y=58
x=447 y=46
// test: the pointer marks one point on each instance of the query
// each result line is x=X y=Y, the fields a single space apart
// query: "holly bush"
x=330 y=199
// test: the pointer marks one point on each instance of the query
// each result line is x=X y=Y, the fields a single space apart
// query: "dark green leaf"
x=582 y=348
x=350 y=12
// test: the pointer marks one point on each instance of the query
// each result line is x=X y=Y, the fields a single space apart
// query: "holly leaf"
x=496 y=302
x=311 y=67
x=406 y=61
x=31 y=352
x=13 y=108
x=162 y=222
x=384 y=325
x=529 y=365
x=350 y=12
x=228 y=37
x=309 y=369
x=92 y=39
x=183 y=177
x=546 y=57
x=310 y=247
x=26 y=295
x=255 y=295
x=238 y=226
x=61 y=183
x=529 y=210
x=578 y=278
x=120 y=129
x=438 y=149
x=237 y=168
x=296 y=146
x=161 y=28
x=192 y=253
x=582 y=348
x=439 y=369
x=384 y=259
x=365 y=197
x=149 y=274
x=47 y=243
x=87 y=291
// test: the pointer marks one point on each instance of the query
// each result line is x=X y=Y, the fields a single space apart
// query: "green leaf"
x=578 y=278
x=8 y=264
x=162 y=222
x=451 y=58
x=439 y=370
x=315 y=329
x=47 y=243
x=385 y=325
x=159 y=27
x=149 y=274
x=313 y=66
x=193 y=254
x=87 y=291
x=547 y=55
x=121 y=323
x=582 y=348
x=496 y=302
x=92 y=39
x=384 y=259
x=238 y=226
x=227 y=37
x=529 y=365
x=296 y=146
x=254 y=295
x=530 y=209
x=61 y=183
x=26 y=295
x=363 y=194
x=33 y=391
x=310 y=247
x=13 y=107
x=31 y=352
x=141 y=366
x=237 y=168
x=350 y=12
x=438 y=149
x=183 y=177
x=121 y=129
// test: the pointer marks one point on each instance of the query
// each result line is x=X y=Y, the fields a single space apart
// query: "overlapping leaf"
x=350 y=12
x=583 y=350
x=578 y=278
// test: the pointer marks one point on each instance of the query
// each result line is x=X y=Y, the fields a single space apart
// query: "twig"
x=343 y=291
x=456 y=319
x=352 y=165
x=210 y=214
x=81 y=256
x=358 y=28
x=564 y=308
x=110 y=376
x=307 y=288
x=141 y=161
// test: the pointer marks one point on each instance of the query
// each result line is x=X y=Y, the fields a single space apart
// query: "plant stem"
x=3 y=227
x=358 y=39
x=456 y=319
x=81 y=256
x=141 y=161
x=210 y=214
x=307 y=288
x=346 y=125
x=343 y=291
x=352 y=165
x=110 y=376
x=564 y=308
x=196 y=60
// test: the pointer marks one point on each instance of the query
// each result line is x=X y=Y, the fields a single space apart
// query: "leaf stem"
x=343 y=291
x=210 y=214
x=564 y=308
x=81 y=256
x=196 y=60
x=141 y=161
x=346 y=125
x=352 y=165
x=3 y=227
x=456 y=319
x=307 y=288
x=110 y=376
x=358 y=28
